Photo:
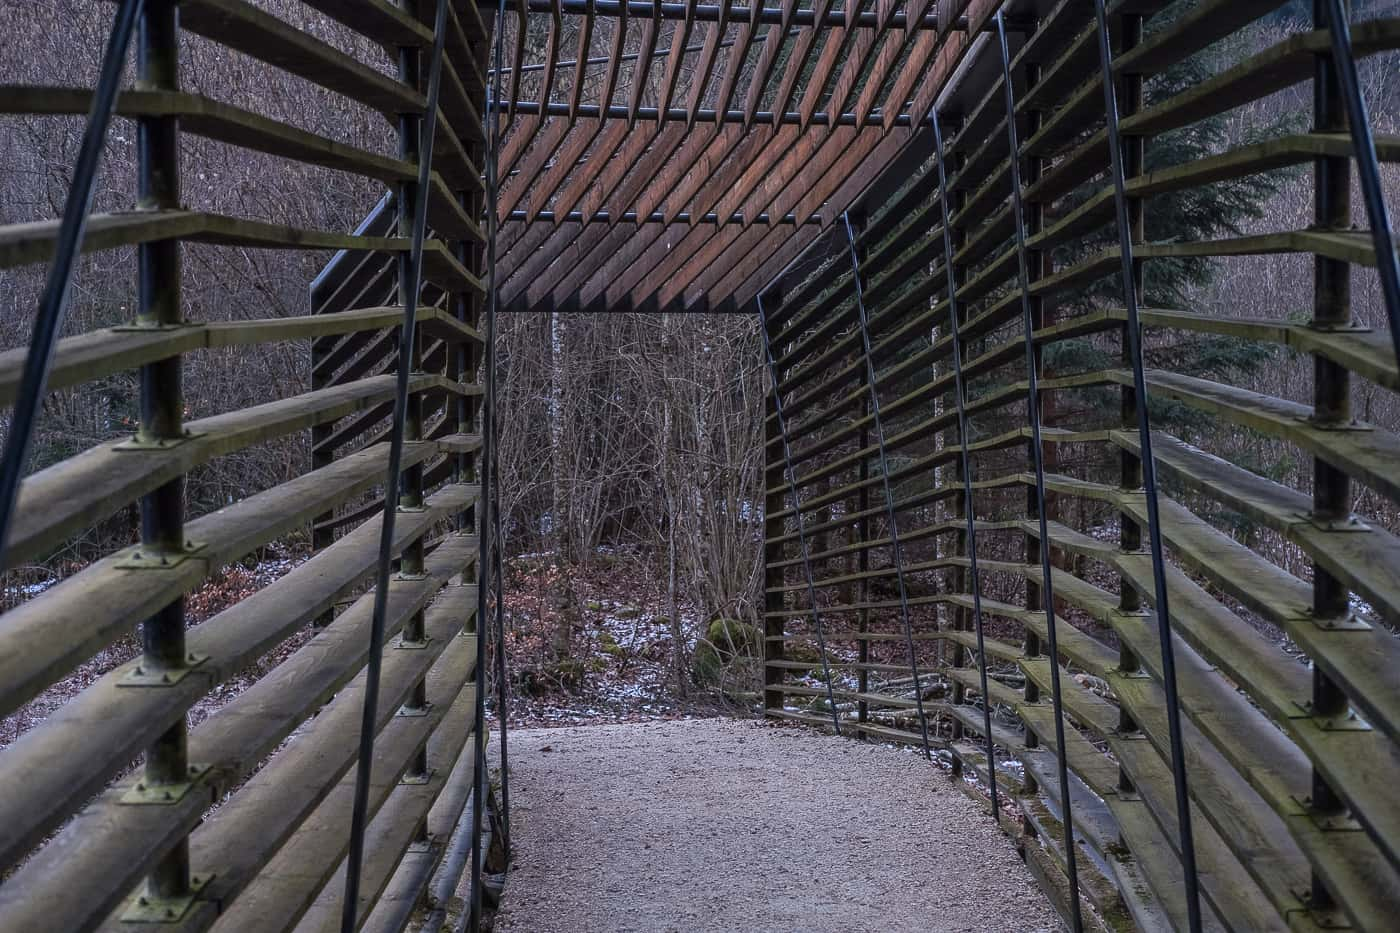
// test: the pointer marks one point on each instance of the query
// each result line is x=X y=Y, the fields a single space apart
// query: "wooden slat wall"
x=1294 y=827
x=262 y=824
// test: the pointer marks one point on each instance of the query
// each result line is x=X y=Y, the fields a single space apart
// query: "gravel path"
x=731 y=825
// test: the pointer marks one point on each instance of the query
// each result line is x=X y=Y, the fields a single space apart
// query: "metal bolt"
x=142 y=900
x=170 y=911
x=166 y=795
x=140 y=786
x=138 y=670
x=165 y=678
x=194 y=769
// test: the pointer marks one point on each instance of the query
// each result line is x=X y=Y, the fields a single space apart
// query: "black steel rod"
x=1368 y=165
x=53 y=303
x=797 y=511
x=370 y=713
x=1038 y=459
x=1149 y=483
x=960 y=396
x=896 y=548
x=487 y=420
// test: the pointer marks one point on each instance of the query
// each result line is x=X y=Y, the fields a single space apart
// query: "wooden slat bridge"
x=946 y=242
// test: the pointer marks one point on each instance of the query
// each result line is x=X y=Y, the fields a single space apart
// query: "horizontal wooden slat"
x=245 y=28
x=136 y=835
x=24 y=244
x=95 y=734
x=104 y=600
x=286 y=887
x=82 y=490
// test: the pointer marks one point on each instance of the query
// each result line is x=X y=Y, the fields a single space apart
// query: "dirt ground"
x=721 y=824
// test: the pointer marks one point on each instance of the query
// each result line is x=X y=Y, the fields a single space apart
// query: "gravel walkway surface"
x=719 y=824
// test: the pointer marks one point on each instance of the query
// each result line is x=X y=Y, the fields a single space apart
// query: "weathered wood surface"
x=1257 y=747
x=79 y=854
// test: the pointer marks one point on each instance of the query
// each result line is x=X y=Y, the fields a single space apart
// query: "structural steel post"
x=485 y=538
x=162 y=409
x=1331 y=497
x=410 y=126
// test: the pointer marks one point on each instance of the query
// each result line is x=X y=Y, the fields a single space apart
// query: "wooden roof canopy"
x=675 y=156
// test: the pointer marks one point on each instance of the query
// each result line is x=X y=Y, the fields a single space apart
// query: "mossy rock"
x=593 y=606
x=706 y=665
x=725 y=641
x=627 y=612
x=567 y=672
x=609 y=645
x=732 y=637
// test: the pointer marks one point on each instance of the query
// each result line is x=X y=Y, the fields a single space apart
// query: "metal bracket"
x=418 y=779
x=410 y=577
x=151 y=676
x=413 y=712
x=1327 y=821
x=139 y=443
x=422 y=845
x=405 y=645
x=140 y=328
x=1350 y=327
x=411 y=509
x=1351 y=523
x=143 y=794
x=1350 y=622
x=1326 y=919
x=1337 y=427
x=143 y=557
x=1342 y=722
x=146 y=908
x=1137 y=674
